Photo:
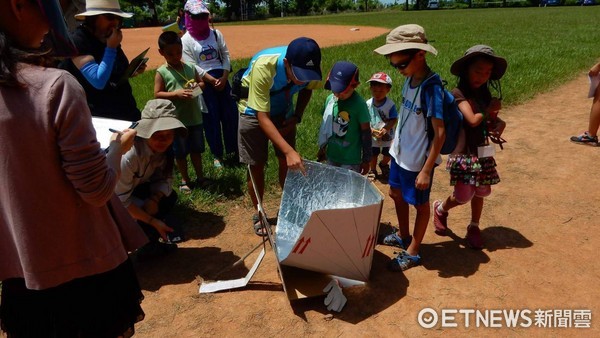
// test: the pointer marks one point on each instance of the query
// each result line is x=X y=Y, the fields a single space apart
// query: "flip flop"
x=259 y=230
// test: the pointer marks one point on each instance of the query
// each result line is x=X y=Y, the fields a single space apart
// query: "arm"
x=161 y=93
x=469 y=115
x=96 y=74
x=289 y=125
x=225 y=60
x=293 y=159
x=424 y=177
x=367 y=150
x=141 y=215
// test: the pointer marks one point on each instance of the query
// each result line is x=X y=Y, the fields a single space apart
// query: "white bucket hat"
x=97 y=7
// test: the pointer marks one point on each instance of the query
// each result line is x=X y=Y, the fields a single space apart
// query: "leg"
x=258 y=173
x=594 y=122
x=197 y=164
x=476 y=209
x=211 y=122
x=229 y=121
x=386 y=159
x=183 y=169
x=402 y=212
x=421 y=222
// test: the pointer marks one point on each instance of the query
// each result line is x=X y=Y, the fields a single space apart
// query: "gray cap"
x=406 y=37
x=158 y=114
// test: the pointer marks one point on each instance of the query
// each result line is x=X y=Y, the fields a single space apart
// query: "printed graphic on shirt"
x=340 y=124
x=208 y=53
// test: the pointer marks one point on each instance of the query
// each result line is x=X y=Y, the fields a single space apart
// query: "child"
x=384 y=117
x=414 y=155
x=179 y=82
x=345 y=134
x=472 y=165
x=590 y=137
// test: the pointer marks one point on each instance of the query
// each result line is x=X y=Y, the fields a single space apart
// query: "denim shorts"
x=404 y=180
x=193 y=143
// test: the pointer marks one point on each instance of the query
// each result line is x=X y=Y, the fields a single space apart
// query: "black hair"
x=8 y=61
x=483 y=93
x=167 y=39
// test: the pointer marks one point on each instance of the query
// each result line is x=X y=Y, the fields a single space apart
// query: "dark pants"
x=221 y=121
x=165 y=205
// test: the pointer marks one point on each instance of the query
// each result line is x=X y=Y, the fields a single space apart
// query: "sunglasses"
x=403 y=65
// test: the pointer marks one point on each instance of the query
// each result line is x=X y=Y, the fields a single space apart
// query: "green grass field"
x=544 y=47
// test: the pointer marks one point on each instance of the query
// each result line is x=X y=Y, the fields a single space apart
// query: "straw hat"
x=97 y=7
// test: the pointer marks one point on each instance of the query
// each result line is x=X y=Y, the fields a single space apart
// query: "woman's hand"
x=125 y=139
x=161 y=227
x=115 y=38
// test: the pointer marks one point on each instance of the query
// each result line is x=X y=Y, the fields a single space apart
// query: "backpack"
x=453 y=118
x=240 y=92
x=237 y=91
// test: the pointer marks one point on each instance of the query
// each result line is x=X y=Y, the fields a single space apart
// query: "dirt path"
x=244 y=41
x=540 y=226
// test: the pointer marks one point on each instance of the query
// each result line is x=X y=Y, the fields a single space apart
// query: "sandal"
x=403 y=262
x=372 y=175
x=217 y=164
x=586 y=139
x=394 y=240
x=259 y=230
x=185 y=188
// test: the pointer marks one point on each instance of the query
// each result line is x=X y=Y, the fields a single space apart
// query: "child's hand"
x=183 y=93
x=423 y=180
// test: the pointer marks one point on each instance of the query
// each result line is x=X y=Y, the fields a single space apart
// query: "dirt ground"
x=244 y=41
x=538 y=225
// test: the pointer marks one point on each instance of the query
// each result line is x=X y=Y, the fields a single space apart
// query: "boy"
x=414 y=155
x=345 y=134
x=179 y=82
x=267 y=112
x=384 y=117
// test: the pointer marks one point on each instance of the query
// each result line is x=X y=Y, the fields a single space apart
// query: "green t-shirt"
x=345 y=145
x=188 y=111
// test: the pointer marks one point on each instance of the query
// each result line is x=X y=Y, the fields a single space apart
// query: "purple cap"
x=341 y=76
x=196 y=7
x=58 y=39
x=304 y=55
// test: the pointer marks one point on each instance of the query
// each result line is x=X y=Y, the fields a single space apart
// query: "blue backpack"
x=453 y=118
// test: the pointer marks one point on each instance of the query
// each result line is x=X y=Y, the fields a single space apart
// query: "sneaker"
x=394 y=240
x=474 y=237
x=585 y=138
x=403 y=262
x=440 y=221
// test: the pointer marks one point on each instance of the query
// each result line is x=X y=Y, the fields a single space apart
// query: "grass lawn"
x=544 y=47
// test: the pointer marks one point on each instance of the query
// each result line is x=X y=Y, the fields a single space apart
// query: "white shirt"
x=205 y=53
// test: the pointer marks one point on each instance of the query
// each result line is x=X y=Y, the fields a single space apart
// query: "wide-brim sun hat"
x=97 y=7
x=159 y=115
x=500 y=64
x=406 y=37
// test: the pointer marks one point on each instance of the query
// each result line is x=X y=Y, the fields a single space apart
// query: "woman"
x=145 y=186
x=64 y=236
x=101 y=67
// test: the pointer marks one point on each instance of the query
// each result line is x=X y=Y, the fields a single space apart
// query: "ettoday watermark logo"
x=496 y=318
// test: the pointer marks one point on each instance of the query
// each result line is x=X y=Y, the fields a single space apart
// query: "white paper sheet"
x=594 y=82
x=209 y=287
x=102 y=125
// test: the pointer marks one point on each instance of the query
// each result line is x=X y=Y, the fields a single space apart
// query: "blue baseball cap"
x=304 y=55
x=58 y=38
x=341 y=76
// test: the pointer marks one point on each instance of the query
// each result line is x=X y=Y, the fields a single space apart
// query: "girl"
x=64 y=270
x=472 y=166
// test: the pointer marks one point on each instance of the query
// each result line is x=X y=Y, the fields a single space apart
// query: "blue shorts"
x=404 y=180
x=193 y=143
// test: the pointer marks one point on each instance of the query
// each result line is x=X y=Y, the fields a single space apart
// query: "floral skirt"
x=469 y=169
x=102 y=305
